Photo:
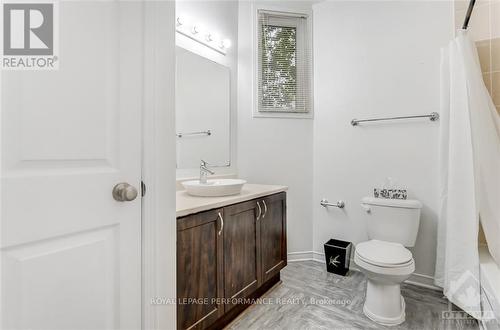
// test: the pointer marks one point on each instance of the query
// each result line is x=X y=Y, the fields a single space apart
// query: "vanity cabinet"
x=228 y=253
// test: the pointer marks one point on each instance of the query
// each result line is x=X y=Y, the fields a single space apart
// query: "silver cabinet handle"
x=221 y=223
x=260 y=211
x=265 y=209
x=124 y=192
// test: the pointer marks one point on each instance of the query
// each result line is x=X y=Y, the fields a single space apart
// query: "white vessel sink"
x=214 y=188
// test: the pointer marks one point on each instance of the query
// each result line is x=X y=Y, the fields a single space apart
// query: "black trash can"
x=337 y=255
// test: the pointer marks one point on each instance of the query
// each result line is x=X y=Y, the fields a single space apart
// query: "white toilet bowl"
x=386 y=265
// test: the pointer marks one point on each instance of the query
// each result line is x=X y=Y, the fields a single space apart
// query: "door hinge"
x=143 y=188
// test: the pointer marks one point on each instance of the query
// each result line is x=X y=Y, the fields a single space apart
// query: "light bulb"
x=208 y=37
x=180 y=21
x=215 y=38
x=196 y=29
x=226 y=43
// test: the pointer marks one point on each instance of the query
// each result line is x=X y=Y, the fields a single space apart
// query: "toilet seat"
x=384 y=258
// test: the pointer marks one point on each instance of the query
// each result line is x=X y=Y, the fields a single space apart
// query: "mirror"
x=202 y=111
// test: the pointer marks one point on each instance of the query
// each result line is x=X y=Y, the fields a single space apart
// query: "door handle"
x=124 y=192
x=221 y=223
x=265 y=209
x=260 y=211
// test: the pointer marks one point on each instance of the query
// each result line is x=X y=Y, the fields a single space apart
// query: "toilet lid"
x=382 y=253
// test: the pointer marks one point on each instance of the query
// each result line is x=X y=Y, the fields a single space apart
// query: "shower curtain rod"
x=469 y=13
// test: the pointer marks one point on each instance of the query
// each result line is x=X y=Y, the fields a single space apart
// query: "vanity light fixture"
x=197 y=33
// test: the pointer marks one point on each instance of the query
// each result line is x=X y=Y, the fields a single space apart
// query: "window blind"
x=284 y=63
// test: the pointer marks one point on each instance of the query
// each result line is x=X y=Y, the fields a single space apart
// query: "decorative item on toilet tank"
x=390 y=193
x=390 y=190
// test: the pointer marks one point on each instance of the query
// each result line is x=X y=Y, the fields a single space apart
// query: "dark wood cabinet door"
x=273 y=235
x=242 y=273
x=199 y=270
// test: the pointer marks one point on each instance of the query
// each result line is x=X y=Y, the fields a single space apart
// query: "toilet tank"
x=392 y=220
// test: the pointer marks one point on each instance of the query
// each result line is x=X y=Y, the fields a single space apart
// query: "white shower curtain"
x=470 y=174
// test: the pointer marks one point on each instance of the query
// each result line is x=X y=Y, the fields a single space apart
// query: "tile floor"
x=339 y=304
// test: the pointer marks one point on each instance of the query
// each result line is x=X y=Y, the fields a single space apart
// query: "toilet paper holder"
x=324 y=202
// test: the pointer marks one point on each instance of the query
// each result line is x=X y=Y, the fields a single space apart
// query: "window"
x=284 y=63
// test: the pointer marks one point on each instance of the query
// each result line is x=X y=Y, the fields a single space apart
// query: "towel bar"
x=207 y=132
x=433 y=116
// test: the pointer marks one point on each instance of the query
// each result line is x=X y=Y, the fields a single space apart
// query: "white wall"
x=273 y=150
x=377 y=59
x=220 y=17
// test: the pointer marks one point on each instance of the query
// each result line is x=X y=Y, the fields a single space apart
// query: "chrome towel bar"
x=207 y=132
x=433 y=116
x=324 y=202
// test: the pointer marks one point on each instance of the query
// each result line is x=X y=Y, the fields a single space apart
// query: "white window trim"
x=255 y=65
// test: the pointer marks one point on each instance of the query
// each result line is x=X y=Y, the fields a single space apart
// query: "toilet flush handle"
x=366 y=207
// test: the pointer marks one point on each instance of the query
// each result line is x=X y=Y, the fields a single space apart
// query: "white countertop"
x=187 y=204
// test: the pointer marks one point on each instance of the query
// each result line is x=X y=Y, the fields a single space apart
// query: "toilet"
x=392 y=225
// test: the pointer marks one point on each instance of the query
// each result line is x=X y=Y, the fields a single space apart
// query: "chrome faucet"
x=204 y=171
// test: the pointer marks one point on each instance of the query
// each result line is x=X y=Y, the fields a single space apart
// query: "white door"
x=70 y=253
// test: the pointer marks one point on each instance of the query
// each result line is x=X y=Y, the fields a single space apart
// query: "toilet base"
x=384 y=303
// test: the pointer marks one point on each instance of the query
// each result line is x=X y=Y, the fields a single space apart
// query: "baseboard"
x=319 y=257
x=422 y=280
x=300 y=256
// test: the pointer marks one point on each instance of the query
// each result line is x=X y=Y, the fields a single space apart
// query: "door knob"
x=124 y=192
